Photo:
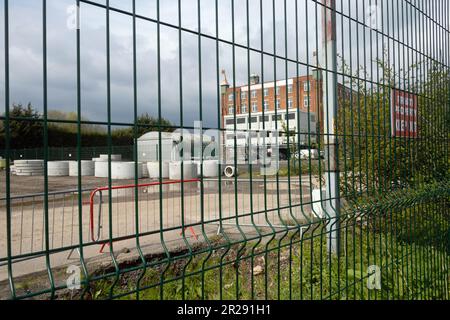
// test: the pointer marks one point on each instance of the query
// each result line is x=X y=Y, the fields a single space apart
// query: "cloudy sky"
x=26 y=54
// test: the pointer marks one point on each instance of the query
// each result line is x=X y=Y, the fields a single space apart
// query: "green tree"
x=71 y=125
x=370 y=158
x=145 y=123
x=26 y=127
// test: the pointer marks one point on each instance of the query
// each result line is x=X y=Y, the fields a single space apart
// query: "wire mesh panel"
x=206 y=149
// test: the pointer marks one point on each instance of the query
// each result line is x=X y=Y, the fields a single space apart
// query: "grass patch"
x=288 y=268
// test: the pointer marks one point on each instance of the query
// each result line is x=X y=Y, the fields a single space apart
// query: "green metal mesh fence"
x=357 y=208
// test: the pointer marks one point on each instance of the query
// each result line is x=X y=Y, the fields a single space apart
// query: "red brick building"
x=297 y=92
x=303 y=93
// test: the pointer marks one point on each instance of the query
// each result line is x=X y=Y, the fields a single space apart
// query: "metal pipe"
x=330 y=105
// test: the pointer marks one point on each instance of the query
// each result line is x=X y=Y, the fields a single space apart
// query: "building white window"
x=266 y=105
x=230 y=110
x=266 y=92
x=306 y=101
x=277 y=118
x=231 y=97
x=278 y=104
x=278 y=91
x=290 y=103
x=254 y=107
x=244 y=108
x=254 y=94
x=306 y=86
x=290 y=88
x=243 y=95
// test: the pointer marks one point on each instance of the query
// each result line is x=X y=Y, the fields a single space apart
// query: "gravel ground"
x=22 y=185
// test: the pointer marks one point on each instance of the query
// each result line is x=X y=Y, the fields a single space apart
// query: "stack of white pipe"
x=29 y=167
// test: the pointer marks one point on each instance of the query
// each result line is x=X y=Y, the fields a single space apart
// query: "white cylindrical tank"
x=125 y=170
x=101 y=165
x=189 y=170
x=101 y=169
x=58 y=168
x=153 y=169
x=211 y=168
x=87 y=168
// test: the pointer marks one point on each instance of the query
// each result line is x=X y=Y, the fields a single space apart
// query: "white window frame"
x=290 y=88
x=254 y=107
x=254 y=94
x=290 y=103
x=244 y=108
x=266 y=105
x=266 y=92
x=230 y=110
x=231 y=97
x=306 y=86
x=278 y=104
x=306 y=101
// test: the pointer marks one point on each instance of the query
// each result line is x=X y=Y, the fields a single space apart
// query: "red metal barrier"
x=132 y=186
